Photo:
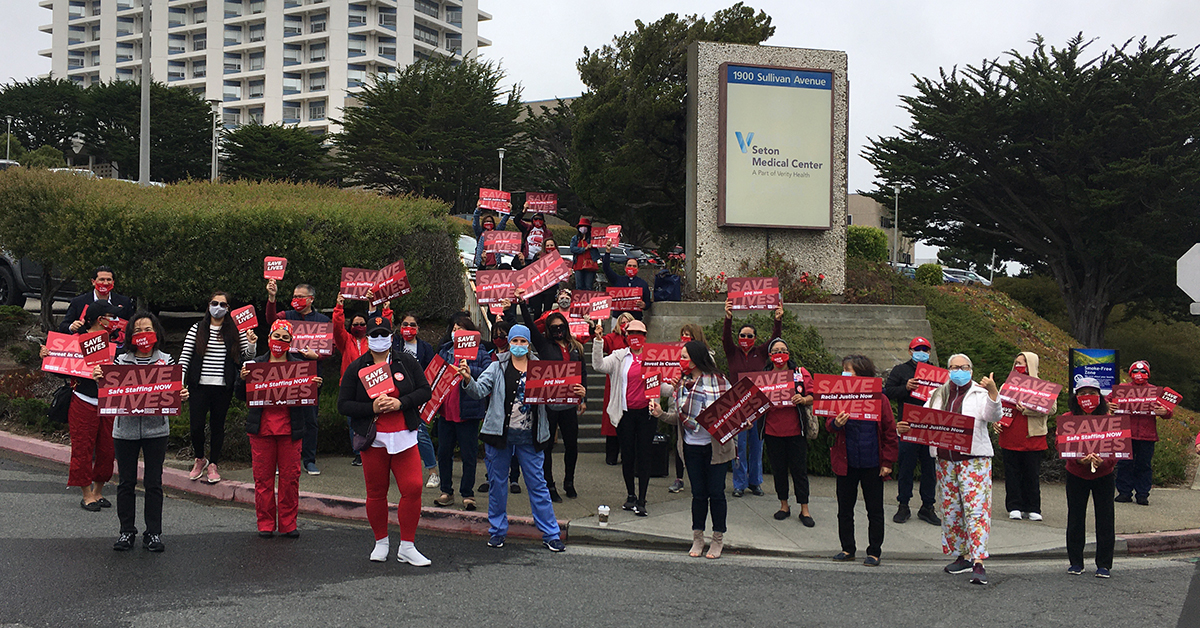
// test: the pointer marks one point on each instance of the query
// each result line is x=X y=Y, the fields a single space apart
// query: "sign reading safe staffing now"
x=281 y=383
x=775 y=162
x=133 y=390
x=734 y=411
x=1105 y=436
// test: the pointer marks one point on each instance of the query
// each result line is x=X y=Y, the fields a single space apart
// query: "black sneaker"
x=125 y=541
x=1123 y=498
x=496 y=540
x=630 y=503
x=153 y=542
x=514 y=488
x=978 y=574
x=756 y=490
x=926 y=514
x=554 y=495
x=555 y=545
x=960 y=565
x=902 y=514
x=1143 y=500
x=640 y=509
x=483 y=488
x=357 y=462
x=569 y=490
x=737 y=492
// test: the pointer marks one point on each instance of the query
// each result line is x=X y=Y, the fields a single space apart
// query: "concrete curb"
x=1160 y=542
x=432 y=519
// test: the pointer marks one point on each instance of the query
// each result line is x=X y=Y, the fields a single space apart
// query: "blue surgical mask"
x=519 y=350
x=921 y=356
x=960 y=378
x=847 y=373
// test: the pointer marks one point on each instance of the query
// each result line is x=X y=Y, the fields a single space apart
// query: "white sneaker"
x=408 y=554
x=379 y=554
x=1035 y=516
x=1014 y=514
x=434 y=481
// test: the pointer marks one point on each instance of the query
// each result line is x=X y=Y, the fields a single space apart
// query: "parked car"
x=21 y=278
x=5 y=164
x=966 y=276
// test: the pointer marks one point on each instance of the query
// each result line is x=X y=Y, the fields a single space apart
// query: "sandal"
x=469 y=503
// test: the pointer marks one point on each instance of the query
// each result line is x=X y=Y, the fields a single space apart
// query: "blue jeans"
x=910 y=455
x=465 y=434
x=748 y=461
x=530 y=460
x=425 y=447
x=1134 y=476
x=708 y=487
x=308 y=448
x=585 y=279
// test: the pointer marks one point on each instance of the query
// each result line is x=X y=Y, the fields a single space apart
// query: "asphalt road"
x=57 y=568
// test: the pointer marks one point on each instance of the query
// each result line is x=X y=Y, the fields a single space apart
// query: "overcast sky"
x=538 y=41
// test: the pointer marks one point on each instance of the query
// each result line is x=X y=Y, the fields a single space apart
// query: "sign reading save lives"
x=281 y=383
x=134 y=390
x=776 y=161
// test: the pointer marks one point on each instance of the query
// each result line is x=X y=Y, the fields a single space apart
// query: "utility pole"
x=501 y=151
x=992 y=268
x=896 y=228
x=216 y=121
x=144 y=151
x=8 y=140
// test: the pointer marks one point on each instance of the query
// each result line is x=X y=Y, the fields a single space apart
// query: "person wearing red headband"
x=1134 y=476
x=304 y=308
x=275 y=436
x=745 y=356
x=628 y=278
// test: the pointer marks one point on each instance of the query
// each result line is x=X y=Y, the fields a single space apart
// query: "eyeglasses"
x=557 y=327
x=379 y=334
x=922 y=348
x=1143 y=371
x=218 y=304
x=408 y=324
x=963 y=367
x=745 y=335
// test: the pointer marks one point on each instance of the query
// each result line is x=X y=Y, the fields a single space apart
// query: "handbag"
x=60 y=403
x=359 y=442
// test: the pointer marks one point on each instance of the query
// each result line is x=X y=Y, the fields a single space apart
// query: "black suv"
x=20 y=278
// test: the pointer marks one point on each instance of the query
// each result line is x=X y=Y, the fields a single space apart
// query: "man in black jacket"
x=899 y=387
x=102 y=290
x=630 y=279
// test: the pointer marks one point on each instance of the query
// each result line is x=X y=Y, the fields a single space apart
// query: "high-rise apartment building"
x=290 y=61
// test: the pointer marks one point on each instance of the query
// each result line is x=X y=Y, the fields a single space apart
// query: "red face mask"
x=636 y=341
x=685 y=339
x=539 y=224
x=278 y=347
x=631 y=272
x=487 y=226
x=1022 y=369
x=358 y=331
x=1139 y=378
x=109 y=323
x=780 y=359
x=102 y=289
x=501 y=343
x=299 y=303
x=145 y=340
x=746 y=343
x=408 y=333
x=1088 y=402
x=685 y=365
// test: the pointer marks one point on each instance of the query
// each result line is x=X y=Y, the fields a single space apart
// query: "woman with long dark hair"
x=1090 y=476
x=212 y=352
x=459 y=423
x=785 y=437
x=707 y=458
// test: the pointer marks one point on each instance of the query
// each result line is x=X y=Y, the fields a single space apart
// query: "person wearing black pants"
x=1022 y=491
x=628 y=409
x=566 y=423
x=636 y=433
x=899 y=387
x=1092 y=477
x=783 y=431
x=847 y=497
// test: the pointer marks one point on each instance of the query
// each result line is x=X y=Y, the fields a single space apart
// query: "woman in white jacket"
x=629 y=410
x=965 y=480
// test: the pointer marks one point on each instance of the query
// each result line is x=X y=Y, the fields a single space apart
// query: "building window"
x=358 y=15
x=317 y=23
x=199 y=42
x=124 y=52
x=233 y=8
x=291 y=83
x=124 y=26
x=432 y=9
x=316 y=53
x=257 y=6
x=199 y=69
x=291 y=54
x=258 y=32
x=256 y=89
x=316 y=82
x=427 y=35
x=199 y=15
x=291 y=112
x=95 y=36
x=75 y=59
x=357 y=45
x=75 y=10
x=176 y=17
x=387 y=18
x=454 y=44
x=256 y=116
x=316 y=110
x=233 y=35
x=232 y=90
x=387 y=49
x=356 y=75
x=176 y=44
x=233 y=63
x=231 y=118
x=257 y=60
x=454 y=16
x=176 y=71
x=292 y=25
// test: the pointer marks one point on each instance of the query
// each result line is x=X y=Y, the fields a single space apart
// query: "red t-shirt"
x=1016 y=436
x=276 y=421
x=783 y=422
x=635 y=386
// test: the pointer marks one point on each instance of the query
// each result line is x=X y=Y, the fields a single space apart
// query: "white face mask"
x=583 y=230
x=217 y=311
x=379 y=345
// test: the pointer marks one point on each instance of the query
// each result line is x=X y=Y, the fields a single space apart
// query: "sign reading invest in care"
x=776 y=153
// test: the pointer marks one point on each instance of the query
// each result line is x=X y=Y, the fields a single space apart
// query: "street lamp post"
x=8 y=140
x=501 y=151
x=216 y=120
x=896 y=228
x=144 y=148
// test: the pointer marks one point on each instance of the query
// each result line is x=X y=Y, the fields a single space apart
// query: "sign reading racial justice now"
x=776 y=156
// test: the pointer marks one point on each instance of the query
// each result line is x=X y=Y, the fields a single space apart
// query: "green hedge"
x=869 y=243
x=929 y=274
x=172 y=246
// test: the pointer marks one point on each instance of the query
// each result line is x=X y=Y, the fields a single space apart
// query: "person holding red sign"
x=965 y=480
x=1023 y=446
x=393 y=422
x=533 y=233
x=1134 y=476
x=785 y=440
x=899 y=387
x=708 y=459
x=91 y=434
x=513 y=428
x=629 y=411
x=616 y=339
x=351 y=342
x=212 y=351
x=628 y=279
x=586 y=256
x=102 y=292
x=459 y=424
x=275 y=441
x=543 y=301
x=423 y=352
x=303 y=309
x=484 y=260
x=687 y=333
x=145 y=435
x=1090 y=476
x=863 y=453
x=744 y=356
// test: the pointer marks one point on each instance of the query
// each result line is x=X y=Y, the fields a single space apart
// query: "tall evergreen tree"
x=274 y=152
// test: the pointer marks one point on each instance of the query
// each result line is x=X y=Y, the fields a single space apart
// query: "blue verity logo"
x=744 y=143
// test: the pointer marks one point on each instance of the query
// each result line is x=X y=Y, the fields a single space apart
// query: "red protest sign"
x=857 y=396
x=310 y=335
x=546 y=272
x=393 y=283
x=495 y=200
x=600 y=308
x=281 y=383
x=245 y=318
x=64 y=356
x=466 y=345
x=132 y=390
x=754 y=293
x=494 y=286
x=1033 y=393
x=542 y=202
x=653 y=385
x=273 y=267
x=1105 y=436
x=938 y=428
x=779 y=386
x=626 y=299
x=443 y=379
x=1169 y=398
x=1134 y=399
x=662 y=359
x=356 y=282
x=377 y=379
x=580 y=329
x=581 y=302
x=734 y=411
x=611 y=236
x=95 y=348
x=502 y=242
x=1006 y=414
x=552 y=381
x=929 y=378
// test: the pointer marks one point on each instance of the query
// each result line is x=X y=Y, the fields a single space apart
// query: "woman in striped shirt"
x=212 y=352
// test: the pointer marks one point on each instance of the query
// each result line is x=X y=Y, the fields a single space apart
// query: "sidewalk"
x=1168 y=524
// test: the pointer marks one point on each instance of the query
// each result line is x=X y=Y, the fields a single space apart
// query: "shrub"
x=929 y=274
x=869 y=243
x=12 y=318
x=795 y=285
x=1038 y=293
x=875 y=282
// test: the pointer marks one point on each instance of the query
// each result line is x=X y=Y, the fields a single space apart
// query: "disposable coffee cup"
x=602 y=515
